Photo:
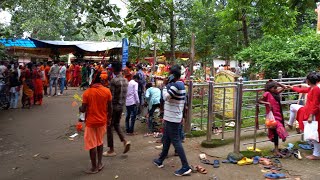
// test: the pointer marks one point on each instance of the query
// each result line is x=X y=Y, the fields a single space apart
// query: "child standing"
x=271 y=99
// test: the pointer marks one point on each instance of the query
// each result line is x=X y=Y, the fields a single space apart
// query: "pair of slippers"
x=215 y=163
x=199 y=169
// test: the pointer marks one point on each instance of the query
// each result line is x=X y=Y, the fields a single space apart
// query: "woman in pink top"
x=271 y=99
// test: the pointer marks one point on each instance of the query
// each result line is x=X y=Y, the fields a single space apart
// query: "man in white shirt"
x=132 y=102
x=62 y=77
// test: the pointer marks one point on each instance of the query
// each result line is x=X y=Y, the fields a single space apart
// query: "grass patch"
x=250 y=154
x=196 y=134
x=215 y=143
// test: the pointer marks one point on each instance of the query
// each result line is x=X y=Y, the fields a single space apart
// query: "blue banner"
x=125 y=52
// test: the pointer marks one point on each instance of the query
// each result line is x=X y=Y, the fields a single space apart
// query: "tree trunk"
x=172 y=34
x=245 y=28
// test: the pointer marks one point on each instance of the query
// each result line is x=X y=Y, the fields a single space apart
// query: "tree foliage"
x=294 y=55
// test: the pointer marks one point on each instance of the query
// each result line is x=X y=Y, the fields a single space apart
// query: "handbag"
x=311 y=131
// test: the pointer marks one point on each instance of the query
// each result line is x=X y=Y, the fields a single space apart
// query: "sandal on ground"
x=216 y=163
x=201 y=169
x=202 y=156
x=297 y=154
x=265 y=161
x=245 y=161
x=277 y=163
x=256 y=160
x=275 y=175
x=127 y=147
x=206 y=161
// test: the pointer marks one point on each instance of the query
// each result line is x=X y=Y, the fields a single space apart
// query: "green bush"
x=295 y=56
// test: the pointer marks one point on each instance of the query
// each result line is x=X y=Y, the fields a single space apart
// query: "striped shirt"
x=174 y=95
x=119 y=88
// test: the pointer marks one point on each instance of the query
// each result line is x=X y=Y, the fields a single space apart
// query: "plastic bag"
x=271 y=122
x=311 y=131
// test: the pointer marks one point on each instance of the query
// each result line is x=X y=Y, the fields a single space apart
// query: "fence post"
x=237 y=132
x=280 y=75
x=210 y=109
x=187 y=126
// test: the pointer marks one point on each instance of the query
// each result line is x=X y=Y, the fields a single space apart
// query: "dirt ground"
x=34 y=144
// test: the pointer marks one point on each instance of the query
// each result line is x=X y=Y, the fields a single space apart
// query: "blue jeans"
x=150 y=120
x=14 y=99
x=53 y=81
x=171 y=134
x=62 y=83
x=131 y=113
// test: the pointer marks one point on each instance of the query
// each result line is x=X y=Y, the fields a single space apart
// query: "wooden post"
x=152 y=77
x=192 y=54
x=154 y=58
x=318 y=22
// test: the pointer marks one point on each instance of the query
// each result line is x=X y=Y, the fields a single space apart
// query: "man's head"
x=117 y=67
x=149 y=85
x=176 y=74
x=128 y=64
x=139 y=67
x=136 y=78
x=97 y=78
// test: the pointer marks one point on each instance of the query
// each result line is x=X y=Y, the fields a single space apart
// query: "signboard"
x=125 y=52
x=230 y=98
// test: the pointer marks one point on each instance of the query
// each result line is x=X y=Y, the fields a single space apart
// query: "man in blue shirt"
x=153 y=95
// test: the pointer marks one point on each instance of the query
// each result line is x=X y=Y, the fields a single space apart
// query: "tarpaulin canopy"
x=18 y=43
x=89 y=46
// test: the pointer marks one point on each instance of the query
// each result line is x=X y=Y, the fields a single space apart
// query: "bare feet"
x=277 y=153
x=312 y=157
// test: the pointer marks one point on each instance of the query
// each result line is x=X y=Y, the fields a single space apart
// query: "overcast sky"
x=5 y=17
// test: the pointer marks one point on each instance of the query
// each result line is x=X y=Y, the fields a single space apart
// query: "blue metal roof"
x=27 y=43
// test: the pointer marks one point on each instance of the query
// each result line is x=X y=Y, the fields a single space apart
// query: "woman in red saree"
x=38 y=85
x=311 y=109
x=27 y=91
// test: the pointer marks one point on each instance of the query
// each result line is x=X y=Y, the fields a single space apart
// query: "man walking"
x=54 y=74
x=118 y=87
x=142 y=85
x=174 y=97
x=62 y=77
x=98 y=108
x=132 y=102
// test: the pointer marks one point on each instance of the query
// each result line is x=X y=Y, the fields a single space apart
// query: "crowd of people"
x=126 y=89
x=31 y=80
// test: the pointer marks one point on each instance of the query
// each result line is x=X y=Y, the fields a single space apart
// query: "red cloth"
x=311 y=107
